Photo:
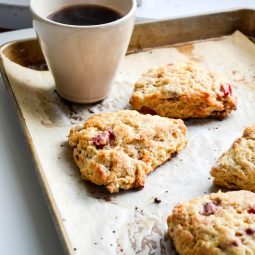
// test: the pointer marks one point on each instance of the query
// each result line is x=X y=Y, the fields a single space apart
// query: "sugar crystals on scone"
x=215 y=224
x=236 y=167
x=183 y=91
x=119 y=149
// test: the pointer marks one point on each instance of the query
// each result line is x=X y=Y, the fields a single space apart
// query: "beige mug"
x=83 y=59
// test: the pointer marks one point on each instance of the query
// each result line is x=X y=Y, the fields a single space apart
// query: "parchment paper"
x=97 y=222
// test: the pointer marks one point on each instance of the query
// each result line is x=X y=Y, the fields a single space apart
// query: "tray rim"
x=206 y=13
x=153 y=21
x=56 y=216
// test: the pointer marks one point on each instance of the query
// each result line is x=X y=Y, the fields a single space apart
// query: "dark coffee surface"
x=85 y=15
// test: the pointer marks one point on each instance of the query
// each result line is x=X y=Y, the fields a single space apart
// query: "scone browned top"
x=183 y=91
x=119 y=149
x=215 y=224
x=236 y=167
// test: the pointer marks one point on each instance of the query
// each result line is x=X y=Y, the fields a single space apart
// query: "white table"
x=25 y=224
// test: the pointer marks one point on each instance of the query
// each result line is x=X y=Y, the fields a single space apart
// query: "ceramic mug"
x=83 y=59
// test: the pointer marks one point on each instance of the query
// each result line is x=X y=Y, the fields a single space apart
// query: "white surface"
x=26 y=227
x=174 y=8
x=15 y=2
x=166 y=8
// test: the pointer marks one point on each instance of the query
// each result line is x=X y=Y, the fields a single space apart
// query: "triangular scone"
x=119 y=149
x=215 y=224
x=183 y=91
x=236 y=167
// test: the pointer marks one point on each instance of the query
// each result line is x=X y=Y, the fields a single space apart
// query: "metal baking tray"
x=146 y=35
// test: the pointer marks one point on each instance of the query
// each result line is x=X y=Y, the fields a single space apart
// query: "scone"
x=236 y=167
x=215 y=224
x=183 y=91
x=119 y=149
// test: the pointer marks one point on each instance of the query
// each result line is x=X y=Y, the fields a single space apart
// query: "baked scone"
x=183 y=91
x=215 y=224
x=119 y=149
x=236 y=167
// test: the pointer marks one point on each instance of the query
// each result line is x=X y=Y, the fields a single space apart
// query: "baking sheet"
x=130 y=222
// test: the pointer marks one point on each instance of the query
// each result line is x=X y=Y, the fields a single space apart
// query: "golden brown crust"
x=183 y=91
x=119 y=149
x=236 y=167
x=215 y=224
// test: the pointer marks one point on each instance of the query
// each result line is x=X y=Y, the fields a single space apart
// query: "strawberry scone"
x=215 y=224
x=183 y=91
x=119 y=149
x=236 y=167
